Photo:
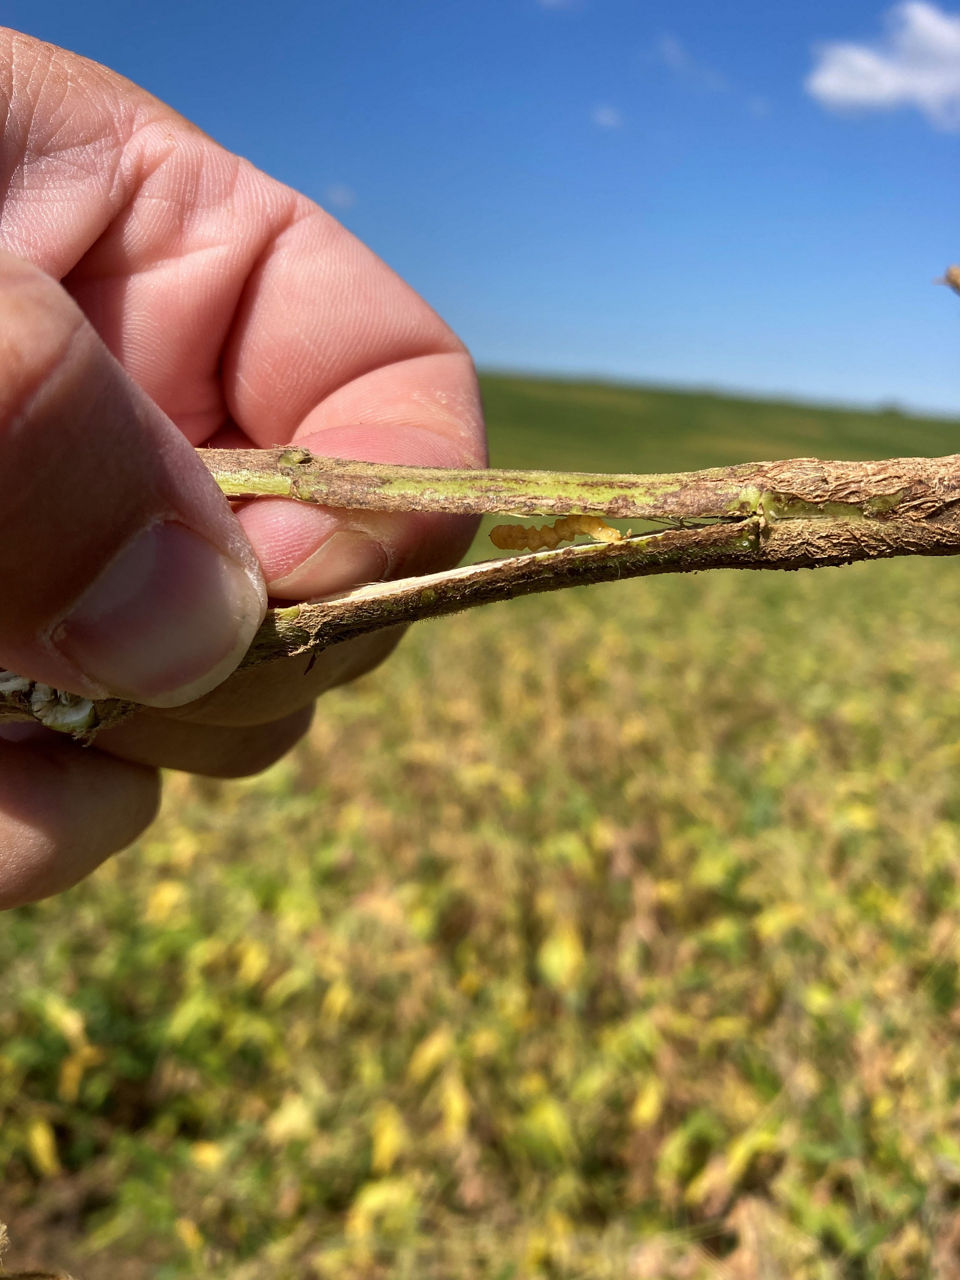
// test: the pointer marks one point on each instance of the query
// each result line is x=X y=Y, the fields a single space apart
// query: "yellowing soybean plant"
x=607 y=934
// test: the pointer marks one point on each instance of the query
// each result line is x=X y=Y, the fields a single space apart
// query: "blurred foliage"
x=614 y=933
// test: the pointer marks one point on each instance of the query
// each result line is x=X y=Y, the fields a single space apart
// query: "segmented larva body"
x=522 y=537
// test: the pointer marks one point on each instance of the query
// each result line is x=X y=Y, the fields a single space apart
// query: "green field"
x=607 y=934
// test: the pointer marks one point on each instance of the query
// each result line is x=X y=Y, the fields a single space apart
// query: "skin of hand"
x=158 y=293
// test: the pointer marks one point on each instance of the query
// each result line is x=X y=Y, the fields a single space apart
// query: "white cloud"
x=674 y=55
x=339 y=196
x=606 y=117
x=915 y=64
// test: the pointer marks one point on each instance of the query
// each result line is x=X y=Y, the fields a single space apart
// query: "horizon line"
x=721 y=391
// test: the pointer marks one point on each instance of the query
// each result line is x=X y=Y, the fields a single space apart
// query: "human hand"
x=157 y=293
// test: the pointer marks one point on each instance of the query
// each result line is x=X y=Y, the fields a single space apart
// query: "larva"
x=522 y=537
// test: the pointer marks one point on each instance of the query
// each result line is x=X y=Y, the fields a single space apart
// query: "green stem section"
x=335 y=482
x=800 y=488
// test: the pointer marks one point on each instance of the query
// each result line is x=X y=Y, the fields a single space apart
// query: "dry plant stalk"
x=798 y=514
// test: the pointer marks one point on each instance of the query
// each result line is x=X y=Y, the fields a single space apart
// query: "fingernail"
x=345 y=560
x=167 y=620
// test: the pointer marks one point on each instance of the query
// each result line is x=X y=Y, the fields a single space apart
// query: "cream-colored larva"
x=522 y=537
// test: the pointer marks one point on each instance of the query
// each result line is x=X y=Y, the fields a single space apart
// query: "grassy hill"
x=606 y=934
x=606 y=427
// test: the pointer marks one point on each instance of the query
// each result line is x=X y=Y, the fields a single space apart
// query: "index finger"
x=237 y=304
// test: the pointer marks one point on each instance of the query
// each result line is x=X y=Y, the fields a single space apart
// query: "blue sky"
x=745 y=195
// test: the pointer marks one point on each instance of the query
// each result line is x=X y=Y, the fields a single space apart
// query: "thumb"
x=123 y=570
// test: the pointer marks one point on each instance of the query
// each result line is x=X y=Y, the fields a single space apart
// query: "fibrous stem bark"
x=801 y=513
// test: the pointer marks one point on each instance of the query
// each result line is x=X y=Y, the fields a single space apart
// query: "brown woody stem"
x=803 y=513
